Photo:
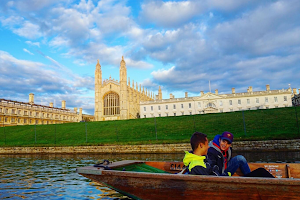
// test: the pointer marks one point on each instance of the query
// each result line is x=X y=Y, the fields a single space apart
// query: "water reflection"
x=266 y=156
x=53 y=176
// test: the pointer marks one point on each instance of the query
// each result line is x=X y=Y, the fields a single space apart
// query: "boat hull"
x=141 y=185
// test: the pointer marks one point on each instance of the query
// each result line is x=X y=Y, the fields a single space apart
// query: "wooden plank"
x=174 y=186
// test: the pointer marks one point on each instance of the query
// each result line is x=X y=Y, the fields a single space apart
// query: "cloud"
x=231 y=43
x=170 y=13
x=28 y=30
x=138 y=64
x=31 y=5
x=266 y=29
x=229 y=5
x=27 y=51
x=176 y=76
x=26 y=77
x=33 y=43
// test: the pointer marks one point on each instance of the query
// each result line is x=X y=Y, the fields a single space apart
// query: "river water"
x=53 y=176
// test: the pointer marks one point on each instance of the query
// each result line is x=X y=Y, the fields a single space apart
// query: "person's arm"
x=199 y=170
x=212 y=159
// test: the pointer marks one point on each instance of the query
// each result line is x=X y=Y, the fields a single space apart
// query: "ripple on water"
x=49 y=177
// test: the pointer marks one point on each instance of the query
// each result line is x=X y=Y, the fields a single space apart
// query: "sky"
x=50 y=47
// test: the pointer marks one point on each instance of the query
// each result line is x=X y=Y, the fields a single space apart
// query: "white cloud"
x=85 y=6
x=175 y=76
x=232 y=43
x=171 y=13
x=138 y=64
x=33 y=43
x=20 y=77
x=32 y=5
x=259 y=31
x=11 y=20
x=27 y=51
x=59 y=42
x=28 y=30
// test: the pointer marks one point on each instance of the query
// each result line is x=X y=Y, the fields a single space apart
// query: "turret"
x=123 y=90
x=31 y=98
x=159 y=93
x=63 y=104
x=98 y=96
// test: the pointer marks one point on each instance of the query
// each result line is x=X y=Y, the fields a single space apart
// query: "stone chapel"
x=118 y=100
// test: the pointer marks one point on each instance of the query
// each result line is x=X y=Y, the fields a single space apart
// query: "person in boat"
x=220 y=155
x=195 y=161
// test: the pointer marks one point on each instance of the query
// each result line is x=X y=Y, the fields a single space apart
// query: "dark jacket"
x=196 y=165
x=215 y=155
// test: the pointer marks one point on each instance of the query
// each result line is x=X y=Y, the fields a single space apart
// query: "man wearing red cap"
x=220 y=152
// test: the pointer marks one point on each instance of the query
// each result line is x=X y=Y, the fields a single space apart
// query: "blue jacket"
x=215 y=155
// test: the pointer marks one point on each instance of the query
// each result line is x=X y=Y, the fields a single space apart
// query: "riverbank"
x=269 y=145
x=258 y=125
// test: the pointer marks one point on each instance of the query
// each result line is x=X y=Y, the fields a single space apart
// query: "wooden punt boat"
x=161 y=180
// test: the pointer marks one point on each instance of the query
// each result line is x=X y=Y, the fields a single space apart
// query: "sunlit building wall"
x=217 y=103
x=14 y=113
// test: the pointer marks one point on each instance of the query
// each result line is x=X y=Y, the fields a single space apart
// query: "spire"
x=159 y=93
x=98 y=66
x=123 y=71
x=123 y=63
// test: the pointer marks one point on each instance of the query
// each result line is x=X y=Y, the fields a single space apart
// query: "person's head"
x=199 y=143
x=225 y=140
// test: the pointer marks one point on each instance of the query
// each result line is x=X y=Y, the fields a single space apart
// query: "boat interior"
x=278 y=170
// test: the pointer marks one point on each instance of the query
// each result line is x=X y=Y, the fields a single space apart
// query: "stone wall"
x=271 y=145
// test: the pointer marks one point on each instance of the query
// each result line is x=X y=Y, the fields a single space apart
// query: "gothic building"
x=115 y=99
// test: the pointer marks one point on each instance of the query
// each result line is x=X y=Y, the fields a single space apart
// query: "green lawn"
x=280 y=123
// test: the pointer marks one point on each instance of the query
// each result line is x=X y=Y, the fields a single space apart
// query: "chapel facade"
x=118 y=100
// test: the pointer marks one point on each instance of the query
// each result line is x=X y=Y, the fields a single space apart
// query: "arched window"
x=209 y=105
x=111 y=104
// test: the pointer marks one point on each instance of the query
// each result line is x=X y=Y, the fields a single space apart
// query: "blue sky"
x=50 y=47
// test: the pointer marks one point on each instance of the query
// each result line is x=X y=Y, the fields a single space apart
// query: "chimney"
x=201 y=93
x=294 y=91
x=31 y=98
x=171 y=96
x=216 y=91
x=268 y=87
x=75 y=109
x=186 y=95
x=63 y=104
x=51 y=105
x=233 y=90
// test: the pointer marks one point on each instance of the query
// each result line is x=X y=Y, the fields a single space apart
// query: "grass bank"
x=280 y=123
